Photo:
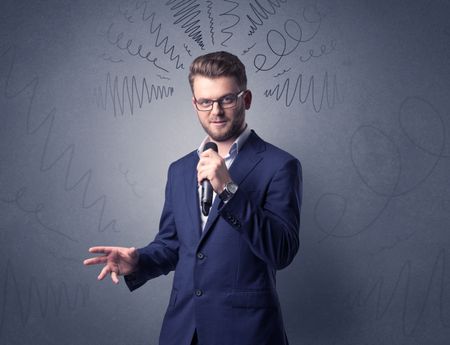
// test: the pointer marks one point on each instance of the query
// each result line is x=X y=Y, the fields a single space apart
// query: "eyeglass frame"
x=238 y=95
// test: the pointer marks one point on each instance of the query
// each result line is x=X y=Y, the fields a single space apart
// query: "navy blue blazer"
x=225 y=276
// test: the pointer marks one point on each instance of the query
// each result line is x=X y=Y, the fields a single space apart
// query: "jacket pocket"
x=253 y=299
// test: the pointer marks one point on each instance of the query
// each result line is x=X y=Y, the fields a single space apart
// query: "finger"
x=204 y=161
x=114 y=277
x=104 y=272
x=95 y=261
x=201 y=175
x=208 y=153
x=101 y=250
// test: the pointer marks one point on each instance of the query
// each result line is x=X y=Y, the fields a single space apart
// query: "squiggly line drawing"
x=262 y=13
x=147 y=16
x=34 y=211
x=404 y=279
x=110 y=58
x=282 y=73
x=187 y=49
x=58 y=295
x=119 y=95
x=132 y=184
x=293 y=31
x=324 y=50
x=248 y=49
x=209 y=5
x=188 y=12
x=162 y=77
x=67 y=153
x=328 y=90
x=130 y=47
x=237 y=19
x=393 y=189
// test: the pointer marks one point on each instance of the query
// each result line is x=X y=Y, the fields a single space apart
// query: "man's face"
x=221 y=124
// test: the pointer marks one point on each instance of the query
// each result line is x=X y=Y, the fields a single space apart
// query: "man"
x=225 y=262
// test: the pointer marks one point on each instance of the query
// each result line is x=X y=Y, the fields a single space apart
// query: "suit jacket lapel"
x=192 y=198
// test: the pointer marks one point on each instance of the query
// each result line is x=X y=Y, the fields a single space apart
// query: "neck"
x=224 y=146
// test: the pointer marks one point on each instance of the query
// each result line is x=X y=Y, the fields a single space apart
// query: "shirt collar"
x=235 y=147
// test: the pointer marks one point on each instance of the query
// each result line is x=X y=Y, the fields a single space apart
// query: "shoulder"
x=274 y=154
x=185 y=162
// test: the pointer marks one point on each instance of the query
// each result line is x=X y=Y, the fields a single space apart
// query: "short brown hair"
x=218 y=64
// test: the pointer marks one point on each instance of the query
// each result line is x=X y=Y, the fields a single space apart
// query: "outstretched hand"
x=119 y=261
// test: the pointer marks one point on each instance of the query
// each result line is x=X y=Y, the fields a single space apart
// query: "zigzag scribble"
x=119 y=95
x=230 y=14
x=404 y=278
x=210 y=4
x=262 y=13
x=51 y=299
x=156 y=29
x=284 y=90
x=67 y=152
x=187 y=11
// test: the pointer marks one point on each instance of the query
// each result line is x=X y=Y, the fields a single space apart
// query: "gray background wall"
x=94 y=105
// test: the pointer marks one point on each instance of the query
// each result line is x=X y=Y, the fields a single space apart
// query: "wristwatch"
x=229 y=190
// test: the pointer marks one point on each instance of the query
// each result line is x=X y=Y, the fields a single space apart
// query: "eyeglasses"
x=225 y=102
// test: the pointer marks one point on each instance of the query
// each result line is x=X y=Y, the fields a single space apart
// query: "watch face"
x=232 y=188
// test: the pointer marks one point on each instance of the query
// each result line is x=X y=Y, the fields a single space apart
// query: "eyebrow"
x=225 y=95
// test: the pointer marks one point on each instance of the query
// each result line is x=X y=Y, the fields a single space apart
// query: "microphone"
x=207 y=190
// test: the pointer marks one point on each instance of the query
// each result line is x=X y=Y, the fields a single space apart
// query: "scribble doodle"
x=35 y=211
x=235 y=19
x=187 y=12
x=209 y=5
x=187 y=49
x=130 y=47
x=328 y=94
x=324 y=50
x=433 y=115
x=130 y=183
x=248 y=49
x=51 y=297
x=277 y=42
x=67 y=153
x=146 y=15
x=387 y=185
x=120 y=92
x=282 y=73
x=110 y=58
x=402 y=290
x=413 y=103
x=162 y=77
x=261 y=13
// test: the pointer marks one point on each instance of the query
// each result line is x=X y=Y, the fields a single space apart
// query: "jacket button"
x=198 y=292
x=200 y=255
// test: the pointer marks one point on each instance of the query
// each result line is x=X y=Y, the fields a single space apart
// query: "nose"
x=216 y=108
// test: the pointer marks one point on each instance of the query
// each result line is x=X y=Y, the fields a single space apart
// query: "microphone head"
x=210 y=145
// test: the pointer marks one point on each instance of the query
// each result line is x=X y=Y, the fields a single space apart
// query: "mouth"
x=218 y=122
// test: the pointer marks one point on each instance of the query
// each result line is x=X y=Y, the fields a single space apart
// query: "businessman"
x=225 y=257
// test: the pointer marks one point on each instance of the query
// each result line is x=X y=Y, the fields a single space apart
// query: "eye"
x=228 y=99
x=204 y=102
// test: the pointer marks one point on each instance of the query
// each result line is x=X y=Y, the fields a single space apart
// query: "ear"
x=247 y=99
x=193 y=103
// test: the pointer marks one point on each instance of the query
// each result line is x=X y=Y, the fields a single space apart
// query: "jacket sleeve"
x=270 y=227
x=161 y=255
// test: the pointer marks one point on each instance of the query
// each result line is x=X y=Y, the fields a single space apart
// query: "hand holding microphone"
x=212 y=174
x=207 y=189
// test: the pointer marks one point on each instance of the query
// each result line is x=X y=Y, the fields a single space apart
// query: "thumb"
x=133 y=253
